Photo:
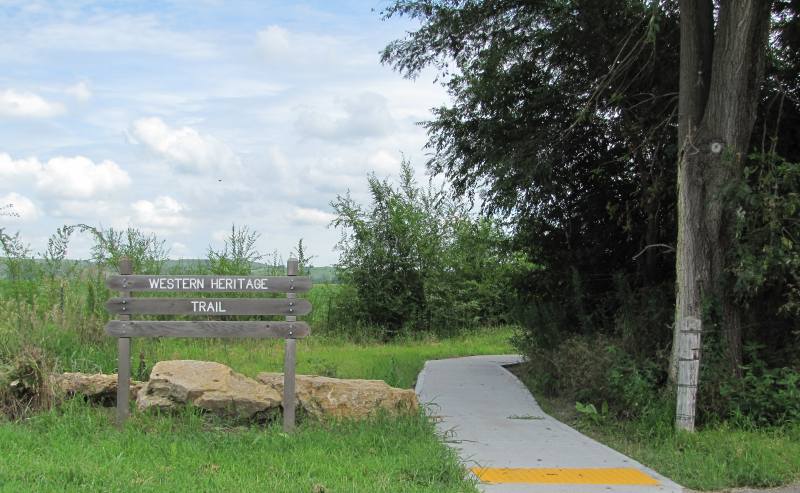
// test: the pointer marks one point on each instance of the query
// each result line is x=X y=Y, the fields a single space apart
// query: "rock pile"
x=100 y=388
x=216 y=388
x=207 y=385
x=323 y=397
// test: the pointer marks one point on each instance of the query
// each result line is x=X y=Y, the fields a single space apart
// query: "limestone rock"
x=96 y=387
x=208 y=385
x=323 y=397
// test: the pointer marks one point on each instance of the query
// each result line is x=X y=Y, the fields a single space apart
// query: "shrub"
x=764 y=396
x=25 y=384
x=238 y=254
x=419 y=261
x=596 y=371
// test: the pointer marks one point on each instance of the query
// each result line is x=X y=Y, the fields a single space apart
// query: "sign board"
x=258 y=330
x=126 y=305
x=265 y=284
x=209 y=306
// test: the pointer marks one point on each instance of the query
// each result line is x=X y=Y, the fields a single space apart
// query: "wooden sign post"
x=688 y=372
x=290 y=329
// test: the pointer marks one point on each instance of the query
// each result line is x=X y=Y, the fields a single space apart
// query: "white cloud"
x=274 y=42
x=80 y=91
x=23 y=208
x=164 y=213
x=355 y=118
x=310 y=216
x=185 y=146
x=80 y=178
x=27 y=105
x=64 y=177
x=384 y=162
x=19 y=171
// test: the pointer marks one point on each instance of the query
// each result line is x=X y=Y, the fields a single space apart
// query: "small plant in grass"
x=590 y=413
x=303 y=258
x=25 y=384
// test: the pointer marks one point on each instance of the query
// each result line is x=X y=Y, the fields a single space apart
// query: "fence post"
x=290 y=359
x=688 y=372
x=124 y=353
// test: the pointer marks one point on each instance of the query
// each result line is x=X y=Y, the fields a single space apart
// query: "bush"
x=418 y=260
x=25 y=384
x=238 y=254
x=764 y=396
x=597 y=371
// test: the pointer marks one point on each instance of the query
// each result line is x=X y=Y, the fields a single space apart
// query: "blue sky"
x=183 y=117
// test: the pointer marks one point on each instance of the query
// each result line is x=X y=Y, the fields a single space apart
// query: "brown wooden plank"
x=209 y=306
x=259 y=284
x=124 y=356
x=258 y=330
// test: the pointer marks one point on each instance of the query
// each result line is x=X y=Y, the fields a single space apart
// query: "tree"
x=585 y=177
x=721 y=75
x=419 y=261
x=568 y=119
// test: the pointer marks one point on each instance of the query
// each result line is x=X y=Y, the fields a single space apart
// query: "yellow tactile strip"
x=540 y=475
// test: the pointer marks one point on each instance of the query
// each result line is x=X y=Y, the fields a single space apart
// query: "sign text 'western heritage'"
x=278 y=284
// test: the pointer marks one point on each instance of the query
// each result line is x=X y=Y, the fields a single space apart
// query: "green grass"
x=398 y=363
x=716 y=457
x=713 y=458
x=77 y=449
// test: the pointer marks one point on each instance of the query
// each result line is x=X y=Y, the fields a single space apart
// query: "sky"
x=182 y=118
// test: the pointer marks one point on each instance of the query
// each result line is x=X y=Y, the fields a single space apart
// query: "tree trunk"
x=697 y=37
x=717 y=111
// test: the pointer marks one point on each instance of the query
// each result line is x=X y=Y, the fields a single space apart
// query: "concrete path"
x=494 y=422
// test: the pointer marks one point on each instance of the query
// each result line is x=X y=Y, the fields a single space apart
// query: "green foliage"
x=304 y=260
x=563 y=121
x=238 y=254
x=767 y=253
x=763 y=396
x=596 y=371
x=718 y=456
x=418 y=261
x=557 y=123
x=146 y=252
x=589 y=412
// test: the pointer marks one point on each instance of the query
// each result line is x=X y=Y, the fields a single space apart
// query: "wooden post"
x=688 y=372
x=124 y=354
x=289 y=361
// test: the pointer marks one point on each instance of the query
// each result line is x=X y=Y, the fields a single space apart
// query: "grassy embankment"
x=75 y=447
x=716 y=457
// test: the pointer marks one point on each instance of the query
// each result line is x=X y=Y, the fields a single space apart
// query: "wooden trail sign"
x=126 y=305
x=259 y=284
x=209 y=306
x=258 y=330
